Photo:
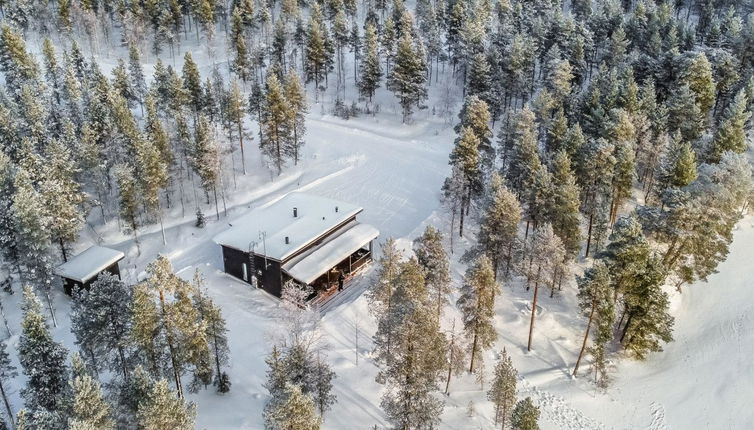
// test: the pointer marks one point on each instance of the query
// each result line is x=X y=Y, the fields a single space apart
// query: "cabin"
x=309 y=239
x=82 y=270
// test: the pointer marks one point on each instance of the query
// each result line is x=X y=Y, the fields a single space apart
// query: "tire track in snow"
x=557 y=410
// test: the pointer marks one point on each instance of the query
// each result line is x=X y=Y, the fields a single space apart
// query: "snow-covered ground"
x=705 y=379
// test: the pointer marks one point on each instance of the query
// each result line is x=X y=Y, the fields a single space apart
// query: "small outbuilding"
x=309 y=239
x=82 y=270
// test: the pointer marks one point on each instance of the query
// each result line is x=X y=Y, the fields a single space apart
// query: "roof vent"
x=295 y=212
x=287 y=241
x=336 y=209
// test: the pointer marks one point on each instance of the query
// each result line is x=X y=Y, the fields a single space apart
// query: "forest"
x=601 y=149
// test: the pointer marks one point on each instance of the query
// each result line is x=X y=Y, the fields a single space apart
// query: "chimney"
x=295 y=212
x=287 y=241
x=336 y=209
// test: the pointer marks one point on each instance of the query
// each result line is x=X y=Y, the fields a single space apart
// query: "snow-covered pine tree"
x=8 y=239
x=7 y=373
x=162 y=409
x=698 y=76
x=525 y=415
x=211 y=316
x=524 y=160
x=455 y=357
x=594 y=169
x=408 y=77
x=89 y=410
x=177 y=332
x=101 y=321
x=416 y=356
x=564 y=211
x=297 y=411
x=498 y=229
x=318 y=56
x=432 y=257
x=206 y=160
x=151 y=166
x=32 y=232
x=44 y=363
x=502 y=392
x=465 y=158
x=275 y=122
x=477 y=306
x=63 y=196
x=136 y=74
x=16 y=63
x=475 y=115
x=236 y=109
x=596 y=302
x=731 y=133
x=297 y=107
x=128 y=198
x=545 y=255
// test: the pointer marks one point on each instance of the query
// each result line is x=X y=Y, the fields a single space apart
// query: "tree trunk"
x=473 y=354
x=7 y=405
x=533 y=313
x=586 y=337
x=62 y=249
x=171 y=349
x=240 y=143
x=589 y=235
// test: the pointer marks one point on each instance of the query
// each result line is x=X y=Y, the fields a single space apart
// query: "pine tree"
x=417 y=354
x=700 y=81
x=128 y=198
x=17 y=65
x=8 y=241
x=408 y=77
x=89 y=410
x=136 y=73
x=465 y=158
x=235 y=108
x=731 y=134
x=64 y=199
x=648 y=320
x=564 y=212
x=173 y=329
x=380 y=297
x=101 y=321
x=317 y=53
x=162 y=409
x=597 y=304
x=43 y=363
x=502 y=393
x=206 y=159
x=211 y=315
x=32 y=228
x=545 y=257
x=122 y=83
x=295 y=412
x=498 y=229
x=7 y=373
x=679 y=166
x=192 y=84
x=275 y=122
x=524 y=161
x=475 y=115
x=296 y=98
x=525 y=415
x=432 y=257
x=477 y=306
x=151 y=166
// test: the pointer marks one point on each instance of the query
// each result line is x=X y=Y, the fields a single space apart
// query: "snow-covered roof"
x=315 y=216
x=320 y=260
x=89 y=263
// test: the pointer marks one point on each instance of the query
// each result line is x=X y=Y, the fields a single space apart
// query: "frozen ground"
x=705 y=379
